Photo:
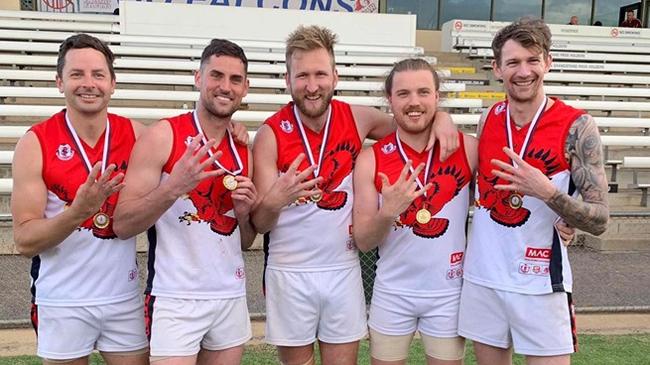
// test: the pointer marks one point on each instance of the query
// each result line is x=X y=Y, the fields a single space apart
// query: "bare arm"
x=369 y=227
x=373 y=222
x=471 y=151
x=33 y=233
x=276 y=192
x=588 y=173
x=138 y=128
x=145 y=198
x=375 y=124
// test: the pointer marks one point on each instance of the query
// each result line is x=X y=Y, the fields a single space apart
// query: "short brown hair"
x=223 y=47
x=529 y=32
x=81 y=41
x=410 y=64
x=309 y=38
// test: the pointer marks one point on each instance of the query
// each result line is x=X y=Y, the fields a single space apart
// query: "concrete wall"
x=9 y=4
x=430 y=40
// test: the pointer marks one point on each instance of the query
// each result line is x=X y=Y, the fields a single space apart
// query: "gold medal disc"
x=316 y=197
x=423 y=216
x=230 y=182
x=515 y=201
x=101 y=220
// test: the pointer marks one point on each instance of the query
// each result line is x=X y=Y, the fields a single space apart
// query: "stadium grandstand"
x=604 y=70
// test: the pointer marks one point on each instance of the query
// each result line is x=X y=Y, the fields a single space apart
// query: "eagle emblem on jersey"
x=447 y=183
x=499 y=202
x=337 y=164
x=212 y=202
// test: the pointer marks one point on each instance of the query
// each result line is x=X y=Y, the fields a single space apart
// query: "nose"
x=225 y=86
x=88 y=81
x=312 y=85
x=524 y=70
x=413 y=100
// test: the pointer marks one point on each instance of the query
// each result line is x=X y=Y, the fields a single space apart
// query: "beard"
x=301 y=103
x=220 y=112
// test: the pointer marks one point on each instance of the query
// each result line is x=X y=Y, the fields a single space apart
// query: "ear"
x=113 y=84
x=549 y=63
x=287 y=81
x=496 y=70
x=197 y=78
x=247 y=85
x=59 y=83
x=336 y=77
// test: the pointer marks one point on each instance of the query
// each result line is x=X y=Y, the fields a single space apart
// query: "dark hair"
x=410 y=64
x=528 y=32
x=81 y=41
x=223 y=47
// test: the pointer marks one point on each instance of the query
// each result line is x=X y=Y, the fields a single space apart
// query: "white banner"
x=97 y=6
x=358 y=6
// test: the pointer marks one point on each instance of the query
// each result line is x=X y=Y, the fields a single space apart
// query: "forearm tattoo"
x=584 y=151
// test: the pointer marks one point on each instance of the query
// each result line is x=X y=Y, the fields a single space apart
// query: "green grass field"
x=594 y=350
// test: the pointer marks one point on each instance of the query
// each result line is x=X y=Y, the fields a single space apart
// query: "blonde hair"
x=309 y=38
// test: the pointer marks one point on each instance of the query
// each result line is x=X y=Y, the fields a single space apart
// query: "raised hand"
x=397 y=197
x=524 y=178
x=94 y=191
x=239 y=132
x=445 y=132
x=189 y=171
x=294 y=185
x=244 y=197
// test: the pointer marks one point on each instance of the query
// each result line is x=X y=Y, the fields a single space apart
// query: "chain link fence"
x=627 y=238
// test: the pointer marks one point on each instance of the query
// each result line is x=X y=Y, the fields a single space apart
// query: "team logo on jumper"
x=456 y=257
x=533 y=269
x=538 y=254
x=286 y=126
x=64 y=152
x=133 y=274
x=388 y=148
x=240 y=273
x=500 y=108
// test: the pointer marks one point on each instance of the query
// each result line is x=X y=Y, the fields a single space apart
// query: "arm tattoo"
x=584 y=151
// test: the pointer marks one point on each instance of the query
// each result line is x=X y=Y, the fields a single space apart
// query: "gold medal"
x=230 y=182
x=101 y=220
x=316 y=197
x=423 y=216
x=515 y=201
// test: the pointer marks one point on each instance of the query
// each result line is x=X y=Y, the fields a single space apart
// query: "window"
x=464 y=9
x=560 y=11
x=426 y=11
x=607 y=11
x=511 y=10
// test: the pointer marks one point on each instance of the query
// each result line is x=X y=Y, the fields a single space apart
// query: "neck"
x=522 y=113
x=212 y=126
x=316 y=124
x=89 y=127
x=417 y=141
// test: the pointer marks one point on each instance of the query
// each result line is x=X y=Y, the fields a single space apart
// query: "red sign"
x=543 y=254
